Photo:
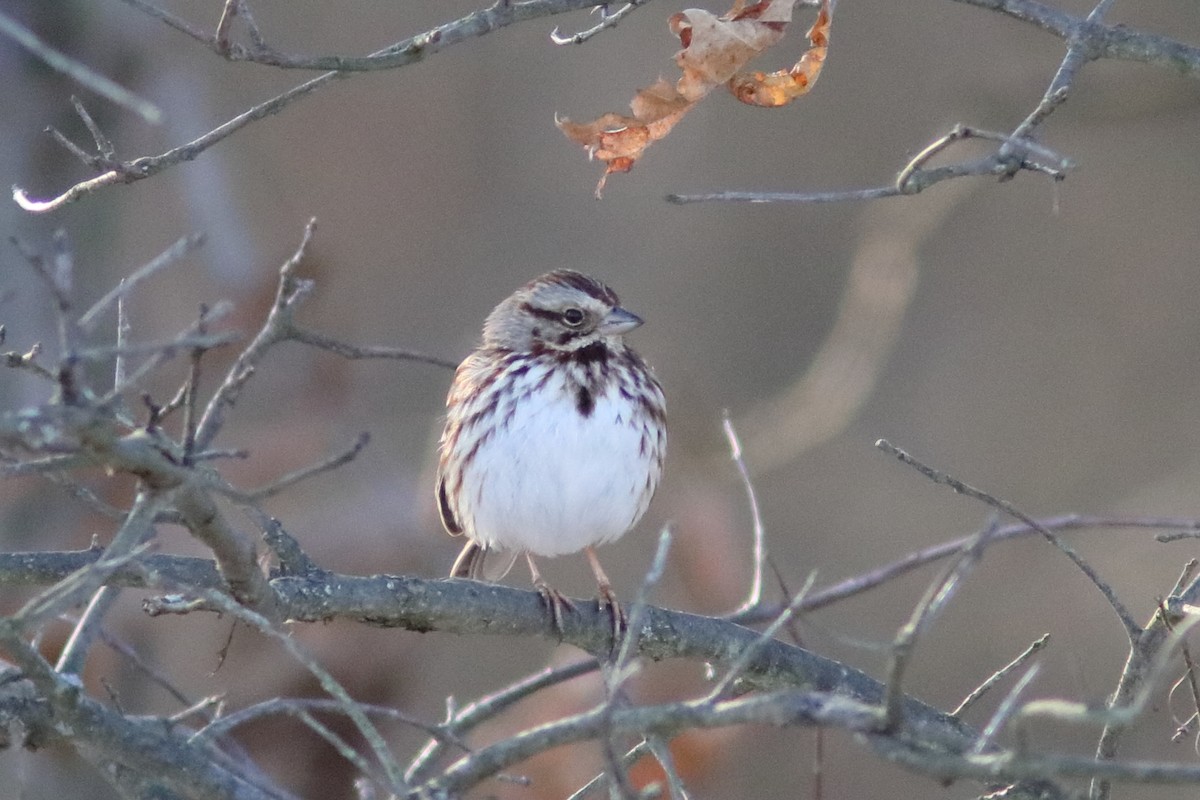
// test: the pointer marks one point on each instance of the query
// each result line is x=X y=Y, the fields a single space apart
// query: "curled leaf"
x=780 y=88
x=714 y=50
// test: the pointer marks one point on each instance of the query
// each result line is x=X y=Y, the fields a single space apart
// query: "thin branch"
x=936 y=598
x=124 y=331
x=78 y=72
x=87 y=630
x=1088 y=39
x=490 y=706
x=850 y=587
x=290 y=292
x=148 y=166
x=127 y=544
x=1132 y=629
x=754 y=598
x=325 y=465
x=913 y=178
x=601 y=779
x=172 y=255
x=724 y=687
x=339 y=744
x=28 y=361
x=662 y=752
x=1005 y=710
x=624 y=667
x=773 y=708
x=629 y=642
x=163 y=352
x=978 y=692
x=607 y=20
x=167 y=349
x=293 y=705
x=350 y=351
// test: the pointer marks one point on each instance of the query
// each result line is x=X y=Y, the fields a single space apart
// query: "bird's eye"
x=573 y=317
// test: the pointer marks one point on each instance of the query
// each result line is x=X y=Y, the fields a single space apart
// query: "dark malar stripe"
x=595 y=353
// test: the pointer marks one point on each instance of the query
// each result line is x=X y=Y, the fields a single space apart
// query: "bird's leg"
x=607 y=598
x=555 y=600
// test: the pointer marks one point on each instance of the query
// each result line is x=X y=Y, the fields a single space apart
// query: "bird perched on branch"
x=555 y=434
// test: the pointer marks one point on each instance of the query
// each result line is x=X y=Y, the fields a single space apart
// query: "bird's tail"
x=471 y=563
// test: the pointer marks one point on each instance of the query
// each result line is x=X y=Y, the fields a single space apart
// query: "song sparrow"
x=555 y=433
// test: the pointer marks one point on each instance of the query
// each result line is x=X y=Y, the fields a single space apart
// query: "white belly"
x=558 y=481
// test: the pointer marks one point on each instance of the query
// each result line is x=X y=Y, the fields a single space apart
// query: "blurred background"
x=1038 y=340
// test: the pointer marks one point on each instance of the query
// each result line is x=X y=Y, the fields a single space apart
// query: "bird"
x=555 y=435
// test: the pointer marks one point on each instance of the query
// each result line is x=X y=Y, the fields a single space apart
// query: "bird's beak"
x=619 y=321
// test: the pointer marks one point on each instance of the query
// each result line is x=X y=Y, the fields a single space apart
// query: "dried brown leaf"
x=775 y=89
x=714 y=50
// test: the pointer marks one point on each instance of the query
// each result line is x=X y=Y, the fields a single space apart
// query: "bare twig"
x=662 y=752
x=936 y=598
x=999 y=675
x=334 y=461
x=637 y=613
x=368 y=351
x=106 y=737
x=86 y=631
x=78 y=72
x=162 y=352
x=602 y=779
x=754 y=598
x=167 y=348
x=293 y=705
x=172 y=255
x=724 y=687
x=1132 y=629
x=124 y=330
x=777 y=708
x=607 y=20
x=28 y=361
x=1015 y=155
x=623 y=667
x=1005 y=710
x=290 y=292
x=488 y=707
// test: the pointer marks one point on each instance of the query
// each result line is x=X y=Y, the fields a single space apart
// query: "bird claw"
x=556 y=602
x=607 y=601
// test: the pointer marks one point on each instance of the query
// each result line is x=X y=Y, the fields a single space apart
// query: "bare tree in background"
x=100 y=420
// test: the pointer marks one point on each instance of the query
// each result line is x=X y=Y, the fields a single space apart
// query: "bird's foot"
x=556 y=604
x=607 y=602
